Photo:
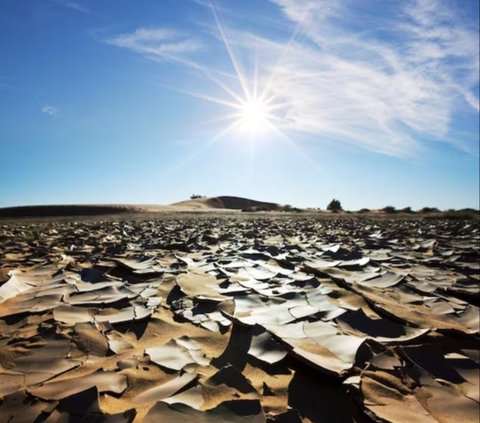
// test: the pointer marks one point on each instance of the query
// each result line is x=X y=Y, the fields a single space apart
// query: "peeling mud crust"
x=232 y=318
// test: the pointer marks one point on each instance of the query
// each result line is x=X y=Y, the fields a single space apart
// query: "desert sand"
x=239 y=318
x=221 y=204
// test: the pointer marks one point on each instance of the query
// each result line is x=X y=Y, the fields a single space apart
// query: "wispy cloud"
x=385 y=82
x=309 y=12
x=384 y=93
x=157 y=43
x=447 y=50
x=50 y=110
x=72 y=5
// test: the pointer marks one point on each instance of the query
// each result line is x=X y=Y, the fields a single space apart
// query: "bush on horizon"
x=389 y=209
x=335 y=206
x=467 y=213
x=429 y=210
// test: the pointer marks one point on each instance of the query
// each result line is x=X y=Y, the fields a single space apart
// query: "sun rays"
x=253 y=108
x=250 y=111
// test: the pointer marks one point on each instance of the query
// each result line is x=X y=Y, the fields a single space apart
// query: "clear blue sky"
x=293 y=101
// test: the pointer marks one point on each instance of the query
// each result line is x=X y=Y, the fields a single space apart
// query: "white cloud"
x=309 y=11
x=72 y=5
x=446 y=50
x=383 y=83
x=428 y=13
x=157 y=43
x=50 y=110
x=383 y=95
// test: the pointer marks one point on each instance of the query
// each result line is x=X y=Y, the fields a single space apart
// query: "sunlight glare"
x=253 y=116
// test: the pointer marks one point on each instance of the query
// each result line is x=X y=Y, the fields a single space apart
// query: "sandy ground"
x=231 y=317
x=221 y=204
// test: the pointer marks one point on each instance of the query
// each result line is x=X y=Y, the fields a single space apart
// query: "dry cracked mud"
x=240 y=319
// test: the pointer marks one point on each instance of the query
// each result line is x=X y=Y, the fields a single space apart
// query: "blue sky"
x=292 y=101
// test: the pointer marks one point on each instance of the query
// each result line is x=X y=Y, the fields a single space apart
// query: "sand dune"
x=223 y=203
x=227 y=202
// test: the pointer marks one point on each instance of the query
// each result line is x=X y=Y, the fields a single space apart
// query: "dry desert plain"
x=239 y=318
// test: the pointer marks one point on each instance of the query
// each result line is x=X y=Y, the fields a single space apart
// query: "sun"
x=253 y=105
x=254 y=116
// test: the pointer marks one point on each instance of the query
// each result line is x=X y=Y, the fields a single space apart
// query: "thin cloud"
x=156 y=43
x=309 y=11
x=50 y=110
x=385 y=84
x=72 y=5
x=380 y=95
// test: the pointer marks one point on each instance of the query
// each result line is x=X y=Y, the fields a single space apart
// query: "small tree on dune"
x=335 y=206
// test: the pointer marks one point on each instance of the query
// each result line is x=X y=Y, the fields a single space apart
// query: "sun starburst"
x=254 y=106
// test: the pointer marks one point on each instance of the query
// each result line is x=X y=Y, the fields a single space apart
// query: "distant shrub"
x=290 y=209
x=389 y=209
x=195 y=196
x=406 y=210
x=460 y=214
x=334 y=206
x=364 y=211
x=429 y=210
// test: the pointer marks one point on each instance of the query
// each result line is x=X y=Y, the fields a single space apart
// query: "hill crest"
x=227 y=202
x=197 y=204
